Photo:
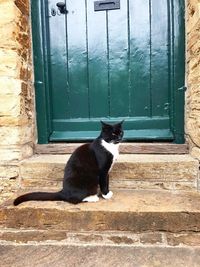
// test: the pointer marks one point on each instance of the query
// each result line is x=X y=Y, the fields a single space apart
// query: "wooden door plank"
x=97 y=62
x=160 y=85
x=59 y=101
x=178 y=51
x=139 y=20
x=118 y=53
x=77 y=59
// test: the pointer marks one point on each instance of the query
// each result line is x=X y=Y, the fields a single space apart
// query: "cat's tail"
x=39 y=196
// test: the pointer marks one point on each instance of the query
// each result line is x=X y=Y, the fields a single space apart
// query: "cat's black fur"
x=86 y=169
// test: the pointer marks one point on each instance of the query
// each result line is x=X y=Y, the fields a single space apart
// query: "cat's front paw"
x=93 y=198
x=108 y=195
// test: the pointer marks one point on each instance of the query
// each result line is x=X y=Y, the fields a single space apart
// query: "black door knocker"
x=62 y=7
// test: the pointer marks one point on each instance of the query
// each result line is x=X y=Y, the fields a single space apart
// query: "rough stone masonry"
x=17 y=111
x=192 y=110
x=16 y=90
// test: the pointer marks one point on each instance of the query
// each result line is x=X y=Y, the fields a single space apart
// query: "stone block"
x=7 y=36
x=8 y=121
x=9 y=154
x=10 y=63
x=15 y=153
x=151 y=238
x=194 y=45
x=186 y=186
x=26 y=151
x=10 y=86
x=194 y=63
x=10 y=105
x=8 y=183
x=194 y=17
x=193 y=130
x=16 y=135
x=195 y=152
x=8 y=172
x=7 y=12
x=187 y=239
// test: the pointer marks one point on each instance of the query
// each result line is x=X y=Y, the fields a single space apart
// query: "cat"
x=86 y=170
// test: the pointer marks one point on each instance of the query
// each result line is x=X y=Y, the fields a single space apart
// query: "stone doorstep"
x=62 y=255
x=133 y=171
x=128 y=210
x=135 y=228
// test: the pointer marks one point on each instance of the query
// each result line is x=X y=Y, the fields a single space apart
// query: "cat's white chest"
x=112 y=148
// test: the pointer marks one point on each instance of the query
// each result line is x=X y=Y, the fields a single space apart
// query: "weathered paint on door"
x=110 y=65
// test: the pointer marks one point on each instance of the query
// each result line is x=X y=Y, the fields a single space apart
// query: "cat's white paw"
x=108 y=196
x=93 y=198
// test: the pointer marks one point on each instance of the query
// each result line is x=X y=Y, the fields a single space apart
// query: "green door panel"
x=109 y=65
x=118 y=58
x=77 y=59
x=140 y=50
x=159 y=58
x=134 y=129
x=59 y=98
x=97 y=62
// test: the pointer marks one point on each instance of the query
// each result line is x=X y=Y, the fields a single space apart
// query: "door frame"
x=41 y=75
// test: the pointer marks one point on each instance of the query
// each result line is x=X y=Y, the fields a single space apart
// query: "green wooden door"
x=126 y=63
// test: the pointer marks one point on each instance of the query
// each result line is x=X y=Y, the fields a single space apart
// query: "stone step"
x=110 y=248
x=131 y=171
x=137 y=211
x=62 y=255
x=134 y=228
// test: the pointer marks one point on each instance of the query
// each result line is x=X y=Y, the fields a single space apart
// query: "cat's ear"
x=119 y=124
x=102 y=123
x=105 y=125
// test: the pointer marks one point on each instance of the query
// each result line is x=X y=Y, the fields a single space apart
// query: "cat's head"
x=112 y=133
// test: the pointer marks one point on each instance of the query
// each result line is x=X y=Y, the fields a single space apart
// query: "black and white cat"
x=86 y=169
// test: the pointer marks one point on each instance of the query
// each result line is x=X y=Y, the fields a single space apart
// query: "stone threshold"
x=125 y=148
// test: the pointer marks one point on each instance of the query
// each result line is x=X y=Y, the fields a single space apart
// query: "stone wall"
x=193 y=76
x=17 y=127
x=16 y=90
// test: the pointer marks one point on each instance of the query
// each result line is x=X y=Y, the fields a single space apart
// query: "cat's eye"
x=116 y=134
